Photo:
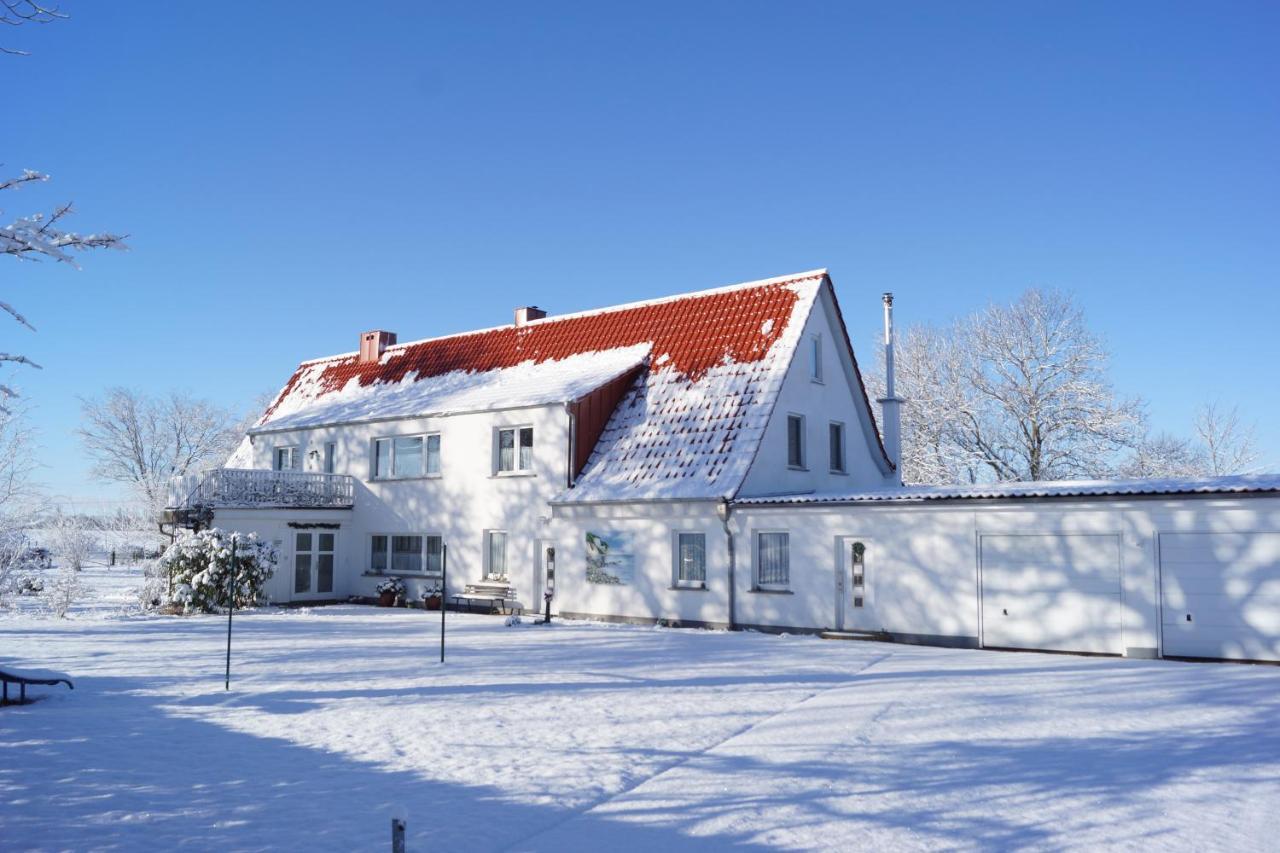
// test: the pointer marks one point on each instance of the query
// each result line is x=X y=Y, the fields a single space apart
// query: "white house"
x=713 y=459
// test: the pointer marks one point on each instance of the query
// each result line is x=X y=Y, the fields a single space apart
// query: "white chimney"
x=529 y=313
x=891 y=403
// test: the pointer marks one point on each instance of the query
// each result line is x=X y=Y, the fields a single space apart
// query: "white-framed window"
x=691 y=560
x=835 y=438
x=815 y=358
x=795 y=441
x=285 y=458
x=495 y=558
x=405 y=456
x=514 y=449
x=406 y=553
x=330 y=456
x=773 y=560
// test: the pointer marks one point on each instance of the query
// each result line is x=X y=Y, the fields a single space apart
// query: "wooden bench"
x=498 y=597
x=22 y=679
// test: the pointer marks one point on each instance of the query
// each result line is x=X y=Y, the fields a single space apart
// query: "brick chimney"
x=372 y=345
x=527 y=314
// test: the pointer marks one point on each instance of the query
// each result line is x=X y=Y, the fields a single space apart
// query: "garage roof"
x=1244 y=484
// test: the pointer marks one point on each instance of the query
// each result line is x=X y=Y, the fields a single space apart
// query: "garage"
x=1051 y=592
x=1220 y=595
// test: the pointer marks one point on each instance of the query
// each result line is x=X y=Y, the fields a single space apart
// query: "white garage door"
x=1056 y=592
x=1220 y=595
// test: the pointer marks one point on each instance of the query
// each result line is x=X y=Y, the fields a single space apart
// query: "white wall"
x=922 y=560
x=652 y=595
x=460 y=504
x=836 y=398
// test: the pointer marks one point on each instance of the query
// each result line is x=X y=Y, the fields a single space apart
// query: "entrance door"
x=851 y=583
x=313 y=564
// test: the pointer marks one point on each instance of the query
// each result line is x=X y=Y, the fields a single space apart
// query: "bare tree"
x=73 y=540
x=15 y=13
x=144 y=442
x=1016 y=392
x=1164 y=455
x=1228 y=444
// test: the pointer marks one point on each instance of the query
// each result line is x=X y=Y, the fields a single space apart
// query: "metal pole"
x=397 y=835
x=231 y=606
x=444 y=593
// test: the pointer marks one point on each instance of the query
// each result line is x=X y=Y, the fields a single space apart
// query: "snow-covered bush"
x=199 y=566
x=154 y=592
x=29 y=585
x=391 y=585
x=64 y=590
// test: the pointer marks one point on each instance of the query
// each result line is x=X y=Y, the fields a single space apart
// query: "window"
x=313 y=563
x=497 y=556
x=330 y=452
x=405 y=553
x=691 y=559
x=836 y=432
x=815 y=358
x=773 y=560
x=406 y=456
x=286 y=459
x=515 y=450
x=795 y=441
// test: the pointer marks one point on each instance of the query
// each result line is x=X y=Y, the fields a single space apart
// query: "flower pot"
x=387 y=599
x=432 y=602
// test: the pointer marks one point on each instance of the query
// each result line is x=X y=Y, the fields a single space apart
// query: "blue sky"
x=295 y=174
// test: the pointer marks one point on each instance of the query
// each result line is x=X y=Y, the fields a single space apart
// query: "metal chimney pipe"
x=891 y=403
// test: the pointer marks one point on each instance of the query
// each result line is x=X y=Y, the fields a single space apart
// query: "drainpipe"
x=891 y=403
x=722 y=511
x=573 y=440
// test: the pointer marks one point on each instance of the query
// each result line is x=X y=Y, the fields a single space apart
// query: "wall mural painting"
x=611 y=558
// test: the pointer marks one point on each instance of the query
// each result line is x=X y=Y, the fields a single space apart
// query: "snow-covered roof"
x=527 y=383
x=688 y=426
x=1243 y=484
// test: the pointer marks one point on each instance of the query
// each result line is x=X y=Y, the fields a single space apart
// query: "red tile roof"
x=694 y=332
x=689 y=426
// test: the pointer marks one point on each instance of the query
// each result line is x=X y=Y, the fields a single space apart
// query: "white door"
x=852 y=586
x=313 y=554
x=1053 y=592
x=1220 y=595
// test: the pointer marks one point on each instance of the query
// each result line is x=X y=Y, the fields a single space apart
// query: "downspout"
x=722 y=511
x=569 y=409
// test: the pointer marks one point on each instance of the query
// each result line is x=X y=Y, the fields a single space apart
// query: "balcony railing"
x=253 y=487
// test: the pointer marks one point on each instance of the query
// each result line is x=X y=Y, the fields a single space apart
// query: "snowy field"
x=588 y=737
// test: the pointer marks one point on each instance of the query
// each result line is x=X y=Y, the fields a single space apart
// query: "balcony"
x=249 y=488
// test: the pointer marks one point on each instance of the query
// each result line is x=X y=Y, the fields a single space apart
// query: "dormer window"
x=515 y=450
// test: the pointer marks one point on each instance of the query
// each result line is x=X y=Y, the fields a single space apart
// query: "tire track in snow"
x=681 y=762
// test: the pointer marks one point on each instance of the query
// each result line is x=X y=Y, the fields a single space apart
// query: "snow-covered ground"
x=587 y=737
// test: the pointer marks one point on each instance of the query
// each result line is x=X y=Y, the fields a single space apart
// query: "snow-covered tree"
x=143 y=442
x=62 y=591
x=73 y=540
x=1017 y=392
x=40 y=237
x=1228 y=444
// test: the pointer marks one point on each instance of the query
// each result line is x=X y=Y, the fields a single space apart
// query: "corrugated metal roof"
x=1245 y=484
